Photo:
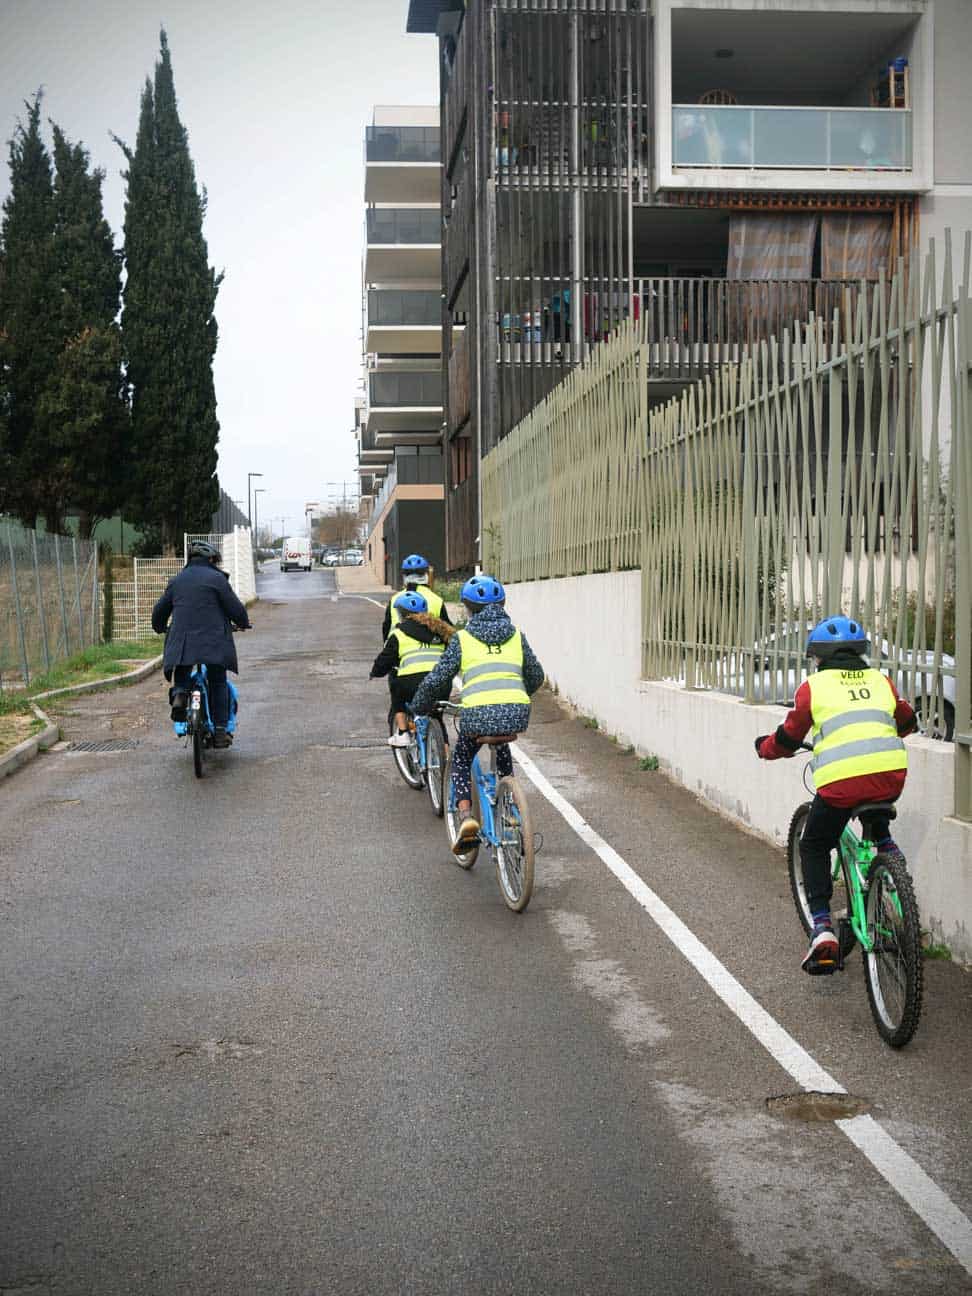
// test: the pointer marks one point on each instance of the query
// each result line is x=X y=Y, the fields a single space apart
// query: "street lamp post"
x=249 y=498
x=259 y=490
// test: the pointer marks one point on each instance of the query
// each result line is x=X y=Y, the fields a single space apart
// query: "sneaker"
x=468 y=835
x=398 y=740
x=221 y=738
x=178 y=699
x=822 y=956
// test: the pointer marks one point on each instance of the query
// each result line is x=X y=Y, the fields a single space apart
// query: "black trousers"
x=402 y=689
x=821 y=834
x=218 y=690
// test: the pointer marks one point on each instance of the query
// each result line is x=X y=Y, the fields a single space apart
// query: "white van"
x=296 y=553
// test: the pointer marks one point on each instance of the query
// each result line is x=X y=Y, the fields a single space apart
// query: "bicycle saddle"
x=875 y=810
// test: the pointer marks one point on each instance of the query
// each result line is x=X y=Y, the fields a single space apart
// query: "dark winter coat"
x=491 y=626
x=202 y=604
x=420 y=626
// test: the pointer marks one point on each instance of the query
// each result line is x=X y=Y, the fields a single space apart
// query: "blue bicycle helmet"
x=835 y=633
x=407 y=603
x=481 y=591
x=415 y=563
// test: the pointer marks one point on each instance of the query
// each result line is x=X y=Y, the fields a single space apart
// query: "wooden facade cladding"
x=459 y=394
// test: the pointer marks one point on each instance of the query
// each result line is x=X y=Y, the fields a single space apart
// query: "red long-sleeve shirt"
x=849 y=791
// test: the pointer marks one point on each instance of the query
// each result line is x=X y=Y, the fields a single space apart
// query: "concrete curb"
x=30 y=747
x=27 y=750
x=111 y=681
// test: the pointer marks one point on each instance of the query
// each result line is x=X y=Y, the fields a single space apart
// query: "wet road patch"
x=815 y=1107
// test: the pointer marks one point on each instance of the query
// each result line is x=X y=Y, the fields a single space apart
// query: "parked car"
x=296 y=553
x=779 y=665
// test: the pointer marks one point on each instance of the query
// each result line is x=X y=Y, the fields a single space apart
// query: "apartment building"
x=398 y=423
x=717 y=168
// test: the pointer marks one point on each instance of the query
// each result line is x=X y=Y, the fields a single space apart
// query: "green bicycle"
x=873 y=906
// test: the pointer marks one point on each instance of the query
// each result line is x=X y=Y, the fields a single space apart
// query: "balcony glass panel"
x=403 y=225
x=409 y=389
x=402 y=144
x=405 y=307
x=868 y=139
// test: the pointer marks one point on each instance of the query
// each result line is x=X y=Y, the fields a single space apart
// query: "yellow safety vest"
x=432 y=599
x=854 y=731
x=492 y=674
x=416 y=658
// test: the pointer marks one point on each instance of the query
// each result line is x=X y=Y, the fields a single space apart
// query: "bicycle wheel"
x=436 y=750
x=840 y=907
x=453 y=820
x=893 y=969
x=514 y=850
x=406 y=760
x=197 y=746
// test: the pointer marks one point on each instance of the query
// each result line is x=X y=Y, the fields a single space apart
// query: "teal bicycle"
x=874 y=907
x=504 y=816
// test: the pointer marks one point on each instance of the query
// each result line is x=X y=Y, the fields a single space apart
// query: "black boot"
x=221 y=738
x=177 y=700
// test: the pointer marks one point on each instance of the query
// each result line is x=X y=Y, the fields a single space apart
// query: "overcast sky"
x=275 y=98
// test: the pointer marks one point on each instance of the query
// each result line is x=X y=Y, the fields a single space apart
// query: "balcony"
x=402 y=164
x=405 y=408
x=403 y=243
x=404 y=322
x=792 y=138
x=690 y=326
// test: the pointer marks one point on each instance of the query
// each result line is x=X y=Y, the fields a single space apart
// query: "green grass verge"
x=99 y=662
x=448 y=590
x=17 y=723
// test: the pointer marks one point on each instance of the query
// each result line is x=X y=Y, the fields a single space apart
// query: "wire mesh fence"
x=49 y=601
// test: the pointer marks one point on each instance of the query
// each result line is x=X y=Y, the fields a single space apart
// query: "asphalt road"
x=259 y=1034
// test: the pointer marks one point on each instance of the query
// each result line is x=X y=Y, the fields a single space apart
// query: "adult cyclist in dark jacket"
x=203 y=608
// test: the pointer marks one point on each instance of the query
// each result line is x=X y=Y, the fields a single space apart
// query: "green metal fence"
x=828 y=470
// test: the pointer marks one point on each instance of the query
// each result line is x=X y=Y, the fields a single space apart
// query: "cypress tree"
x=168 y=326
x=82 y=412
x=29 y=312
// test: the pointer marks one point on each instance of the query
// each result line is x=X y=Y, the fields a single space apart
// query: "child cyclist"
x=857 y=722
x=411 y=650
x=499 y=674
x=415 y=577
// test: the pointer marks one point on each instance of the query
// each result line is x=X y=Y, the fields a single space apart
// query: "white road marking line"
x=366 y=597
x=891 y=1161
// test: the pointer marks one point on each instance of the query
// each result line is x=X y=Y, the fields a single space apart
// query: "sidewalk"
x=358 y=580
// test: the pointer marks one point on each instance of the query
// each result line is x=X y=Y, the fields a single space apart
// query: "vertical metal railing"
x=827 y=469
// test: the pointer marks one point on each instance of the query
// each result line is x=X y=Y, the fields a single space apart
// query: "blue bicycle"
x=198 y=728
x=422 y=763
x=505 y=828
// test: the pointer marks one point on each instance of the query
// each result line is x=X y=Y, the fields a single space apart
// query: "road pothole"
x=817 y=1107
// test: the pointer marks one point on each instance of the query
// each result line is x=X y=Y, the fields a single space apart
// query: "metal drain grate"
x=108 y=745
x=344 y=744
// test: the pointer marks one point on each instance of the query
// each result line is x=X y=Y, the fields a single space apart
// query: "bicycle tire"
x=888 y=877
x=840 y=904
x=197 y=748
x=468 y=858
x=514 y=853
x=406 y=762
x=436 y=752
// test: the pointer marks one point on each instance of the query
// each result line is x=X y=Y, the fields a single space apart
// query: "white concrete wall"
x=587 y=633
